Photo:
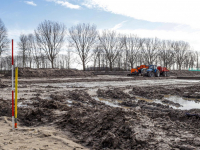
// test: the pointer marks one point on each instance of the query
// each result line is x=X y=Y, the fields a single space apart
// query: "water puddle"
x=187 y=103
x=21 y=105
x=69 y=101
x=106 y=101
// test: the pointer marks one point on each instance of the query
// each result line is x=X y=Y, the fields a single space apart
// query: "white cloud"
x=117 y=26
x=30 y=3
x=65 y=4
x=171 y=11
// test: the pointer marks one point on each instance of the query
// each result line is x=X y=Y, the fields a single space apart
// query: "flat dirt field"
x=88 y=111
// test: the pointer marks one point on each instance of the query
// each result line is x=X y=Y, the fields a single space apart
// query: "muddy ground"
x=99 y=113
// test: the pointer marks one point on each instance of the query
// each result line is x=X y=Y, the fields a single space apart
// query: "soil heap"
x=184 y=73
x=43 y=72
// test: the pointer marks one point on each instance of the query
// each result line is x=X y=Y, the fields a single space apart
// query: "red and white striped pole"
x=12 y=90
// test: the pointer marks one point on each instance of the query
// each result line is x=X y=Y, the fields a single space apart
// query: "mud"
x=113 y=94
x=135 y=124
x=98 y=126
x=184 y=73
x=2 y=85
x=158 y=92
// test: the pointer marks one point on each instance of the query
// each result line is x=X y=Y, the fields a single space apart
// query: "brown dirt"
x=99 y=126
x=184 y=73
x=30 y=72
x=142 y=125
x=113 y=94
x=158 y=92
x=2 y=85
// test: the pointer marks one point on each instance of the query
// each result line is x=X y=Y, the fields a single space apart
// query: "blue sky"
x=165 y=19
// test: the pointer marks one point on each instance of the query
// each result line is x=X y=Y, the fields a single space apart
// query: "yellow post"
x=16 y=84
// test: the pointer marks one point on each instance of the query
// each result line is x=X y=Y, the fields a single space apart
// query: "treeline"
x=96 y=50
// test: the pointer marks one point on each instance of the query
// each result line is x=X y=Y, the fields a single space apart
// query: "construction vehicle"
x=155 y=71
x=137 y=71
x=152 y=71
x=163 y=71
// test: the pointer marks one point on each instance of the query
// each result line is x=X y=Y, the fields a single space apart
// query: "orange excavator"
x=137 y=71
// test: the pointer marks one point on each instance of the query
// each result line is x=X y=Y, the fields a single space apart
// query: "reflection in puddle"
x=187 y=103
x=69 y=101
x=20 y=105
x=105 y=101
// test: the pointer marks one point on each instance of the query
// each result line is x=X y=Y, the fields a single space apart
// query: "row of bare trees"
x=102 y=49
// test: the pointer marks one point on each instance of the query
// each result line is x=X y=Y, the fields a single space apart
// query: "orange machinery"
x=138 y=70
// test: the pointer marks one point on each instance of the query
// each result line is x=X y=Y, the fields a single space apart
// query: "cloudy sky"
x=165 y=19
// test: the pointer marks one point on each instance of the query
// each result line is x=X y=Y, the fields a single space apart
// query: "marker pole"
x=12 y=90
x=16 y=84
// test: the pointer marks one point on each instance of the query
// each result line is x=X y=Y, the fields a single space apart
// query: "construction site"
x=72 y=109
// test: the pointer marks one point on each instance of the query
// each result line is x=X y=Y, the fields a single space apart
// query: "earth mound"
x=2 y=85
x=112 y=93
x=184 y=73
x=43 y=72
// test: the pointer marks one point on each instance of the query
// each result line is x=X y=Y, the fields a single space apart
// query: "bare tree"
x=112 y=43
x=197 y=58
x=151 y=50
x=82 y=37
x=167 y=55
x=23 y=46
x=180 y=48
x=31 y=48
x=133 y=45
x=4 y=42
x=50 y=38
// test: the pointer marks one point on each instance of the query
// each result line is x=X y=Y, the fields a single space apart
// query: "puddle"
x=187 y=103
x=69 y=101
x=105 y=101
x=92 y=92
x=20 y=105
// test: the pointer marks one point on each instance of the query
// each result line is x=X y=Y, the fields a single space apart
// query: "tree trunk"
x=52 y=64
x=110 y=65
x=83 y=65
x=131 y=65
x=179 y=66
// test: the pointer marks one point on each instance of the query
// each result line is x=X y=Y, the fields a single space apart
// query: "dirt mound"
x=2 y=85
x=4 y=107
x=79 y=95
x=149 y=92
x=103 y=129
x=30 y=72
x=34 y=117
x=184 y=73
x=113 y=94
x=158 y=92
